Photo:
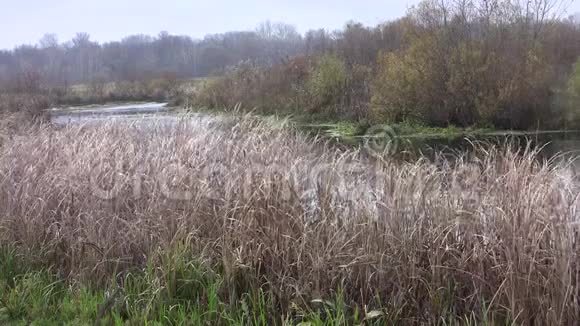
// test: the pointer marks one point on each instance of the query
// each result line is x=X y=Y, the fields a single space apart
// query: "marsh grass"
x=28 y=105
x=238 y=222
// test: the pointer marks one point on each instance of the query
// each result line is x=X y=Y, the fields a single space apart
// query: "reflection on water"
x=566 y=144
x=145 y=115
x=100 y=113
x=551 y=144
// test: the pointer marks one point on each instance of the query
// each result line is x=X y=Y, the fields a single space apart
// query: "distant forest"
x=142 y=56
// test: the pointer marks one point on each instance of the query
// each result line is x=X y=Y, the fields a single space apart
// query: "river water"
x=552 y=143
x=96 y=113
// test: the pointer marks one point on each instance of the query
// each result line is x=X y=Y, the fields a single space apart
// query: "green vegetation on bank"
x=361 y=129
x=178 y=289
x=320 y=92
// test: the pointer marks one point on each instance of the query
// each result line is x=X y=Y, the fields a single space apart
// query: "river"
x=95 y=113
x=552 y=143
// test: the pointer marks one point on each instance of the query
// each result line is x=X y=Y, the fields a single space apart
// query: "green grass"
x=178 y=291
x=331 y=125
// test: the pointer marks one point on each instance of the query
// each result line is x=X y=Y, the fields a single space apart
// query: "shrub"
x=567 y=105
x=393 y=88
x=299 y=85
x=327 y=81
x=462 y=85
x=273 y=89
x=356 y=104
x=574 y=82
x=468 y=88
x=524 y=92
x=31 y=105
x=407 y=85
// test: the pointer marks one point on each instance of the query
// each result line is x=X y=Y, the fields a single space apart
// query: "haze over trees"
x=143 y=56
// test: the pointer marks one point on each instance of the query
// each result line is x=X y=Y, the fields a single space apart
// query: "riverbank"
x=345 y=130
x=349 y=129
x=405 y=141
x=414 y=141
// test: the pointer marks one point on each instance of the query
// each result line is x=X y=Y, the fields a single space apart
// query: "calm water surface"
x=63 y=116
x=566 y=144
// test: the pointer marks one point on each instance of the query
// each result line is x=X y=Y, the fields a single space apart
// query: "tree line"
x=82 y=60
x=493 y=63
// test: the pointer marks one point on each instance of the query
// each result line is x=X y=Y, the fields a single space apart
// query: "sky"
x=26 y=21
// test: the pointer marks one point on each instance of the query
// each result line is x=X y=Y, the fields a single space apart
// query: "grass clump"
x=181 y=290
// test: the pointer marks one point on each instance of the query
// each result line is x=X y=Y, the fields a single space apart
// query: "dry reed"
x=492 y=234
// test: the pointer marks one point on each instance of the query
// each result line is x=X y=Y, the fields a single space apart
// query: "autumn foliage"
x=494 y=63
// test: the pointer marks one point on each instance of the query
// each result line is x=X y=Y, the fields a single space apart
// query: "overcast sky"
x=26 y=21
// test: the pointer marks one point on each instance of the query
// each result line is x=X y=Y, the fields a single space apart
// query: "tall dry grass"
x=33 y=104
x=492 y=235
x=20 y=113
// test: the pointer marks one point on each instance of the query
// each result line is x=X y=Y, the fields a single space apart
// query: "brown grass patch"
x=492 y=234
